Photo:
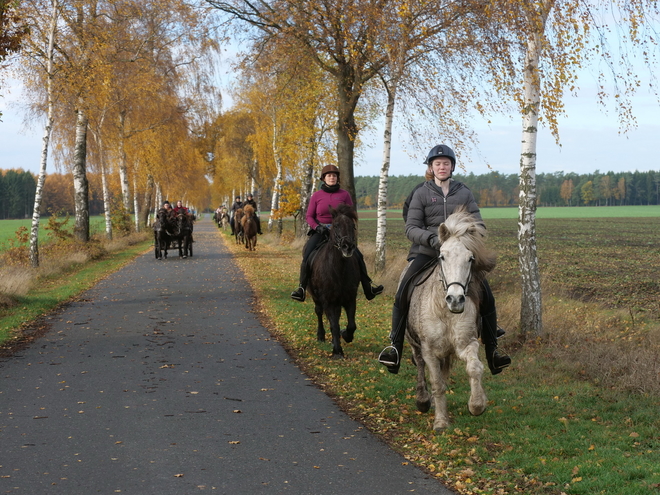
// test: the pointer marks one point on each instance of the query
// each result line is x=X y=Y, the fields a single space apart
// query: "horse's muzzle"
x=455 y=303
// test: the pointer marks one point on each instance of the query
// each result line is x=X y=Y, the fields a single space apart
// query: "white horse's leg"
x=438 y=371
x=475 y=371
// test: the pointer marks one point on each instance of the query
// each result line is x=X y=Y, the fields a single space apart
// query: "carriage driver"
x=319 y=219
x=431 y=203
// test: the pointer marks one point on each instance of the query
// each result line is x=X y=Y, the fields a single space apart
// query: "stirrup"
x=388 y=351
x=298 y=294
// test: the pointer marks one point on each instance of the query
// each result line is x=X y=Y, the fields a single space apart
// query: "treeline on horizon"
x=17 y=190
x=556 y=189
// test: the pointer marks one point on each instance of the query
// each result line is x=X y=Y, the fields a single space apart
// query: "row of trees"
x=17 y=189
x=127 y=88
x=556 y=189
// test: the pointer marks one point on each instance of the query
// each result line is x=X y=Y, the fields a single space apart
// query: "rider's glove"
x=320 y=229
x=434 y=242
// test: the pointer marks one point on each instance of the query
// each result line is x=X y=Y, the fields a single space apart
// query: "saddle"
x=312 y=255
x=417 y=279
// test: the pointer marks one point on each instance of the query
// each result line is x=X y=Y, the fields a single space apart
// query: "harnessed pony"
x=443 y=319
x=161 y=236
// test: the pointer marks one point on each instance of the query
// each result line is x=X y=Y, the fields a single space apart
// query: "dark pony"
x=249 y=226
x=238 y=226
x=335 y=275
x=161 y=236
x=182 y=233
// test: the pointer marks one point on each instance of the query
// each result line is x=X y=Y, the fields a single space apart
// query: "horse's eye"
x=471 y=259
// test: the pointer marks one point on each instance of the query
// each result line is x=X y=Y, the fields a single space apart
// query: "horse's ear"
x=443 y=233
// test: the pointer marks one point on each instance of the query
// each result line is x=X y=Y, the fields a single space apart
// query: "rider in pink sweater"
x=319 y=219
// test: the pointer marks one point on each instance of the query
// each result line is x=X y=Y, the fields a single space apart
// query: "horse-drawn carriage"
x=173 y=230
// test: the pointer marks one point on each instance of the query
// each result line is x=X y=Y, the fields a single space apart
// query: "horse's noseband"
x=444 y=279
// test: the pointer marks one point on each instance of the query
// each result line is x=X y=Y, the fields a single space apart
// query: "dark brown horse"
x=161 y=236
x=181 y=232
x=335 y=276
x=238 y=226
x=249 y=226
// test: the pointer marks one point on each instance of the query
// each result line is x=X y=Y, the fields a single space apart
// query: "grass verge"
x=548 y=429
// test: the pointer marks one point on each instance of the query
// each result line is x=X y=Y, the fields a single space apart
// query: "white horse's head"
x=455 y=262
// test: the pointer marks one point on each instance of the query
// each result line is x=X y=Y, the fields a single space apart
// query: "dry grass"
x=16 y=280
x=17 y=277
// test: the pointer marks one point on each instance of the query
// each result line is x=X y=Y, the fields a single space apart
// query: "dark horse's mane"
x=348 y=210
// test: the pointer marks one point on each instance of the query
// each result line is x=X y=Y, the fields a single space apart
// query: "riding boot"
x=391 y=355
x=370 y=290
x=497 y=360
x=299 y=293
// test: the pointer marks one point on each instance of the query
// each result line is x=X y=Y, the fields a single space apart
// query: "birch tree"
x=34 y=231
x=555 y=38
x=345 y=38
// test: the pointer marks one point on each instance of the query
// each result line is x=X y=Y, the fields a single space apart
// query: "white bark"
x=275 y=201
x=34 y=231
x=123 y=172
x=136 y=206
x=106 y=199
x=80 y=183
x=381 y=228
x=530 y=308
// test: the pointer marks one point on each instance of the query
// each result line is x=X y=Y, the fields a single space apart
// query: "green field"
x=8 y=228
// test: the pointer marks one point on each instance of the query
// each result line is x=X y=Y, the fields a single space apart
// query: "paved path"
x=160 y=380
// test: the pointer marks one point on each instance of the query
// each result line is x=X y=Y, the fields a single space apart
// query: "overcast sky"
x=590 y=141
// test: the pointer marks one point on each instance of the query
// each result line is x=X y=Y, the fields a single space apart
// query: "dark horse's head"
x=343 y=232
x=162 y=219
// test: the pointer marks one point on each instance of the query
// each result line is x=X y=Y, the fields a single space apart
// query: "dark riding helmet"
x=440 y=151
x=166 y=202
x=329 y=169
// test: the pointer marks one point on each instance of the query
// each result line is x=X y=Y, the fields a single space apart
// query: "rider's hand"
x=434 y=242
x=320 y=229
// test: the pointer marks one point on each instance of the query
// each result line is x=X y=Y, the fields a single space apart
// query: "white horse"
x=443 y=320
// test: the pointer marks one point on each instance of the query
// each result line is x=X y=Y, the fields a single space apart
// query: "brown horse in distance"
x=249 y=226
x=238 y=226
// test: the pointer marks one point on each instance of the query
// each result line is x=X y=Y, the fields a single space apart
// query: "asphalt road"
x=161 y=380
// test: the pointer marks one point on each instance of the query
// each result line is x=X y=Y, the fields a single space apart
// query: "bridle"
x=446 y=285
x=340 y=239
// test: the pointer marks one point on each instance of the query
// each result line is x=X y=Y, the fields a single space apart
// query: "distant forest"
x=17 y=188
x=558 y=189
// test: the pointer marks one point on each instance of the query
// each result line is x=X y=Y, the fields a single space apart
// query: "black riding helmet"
x=441 y=150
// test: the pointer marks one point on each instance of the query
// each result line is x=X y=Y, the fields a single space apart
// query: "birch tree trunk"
x=275 y=201
x=106 y=201
x=123 y=172
x=530 y=307
x=80 y=183
x=381 y=228
x=34 y=231
x=136 y=205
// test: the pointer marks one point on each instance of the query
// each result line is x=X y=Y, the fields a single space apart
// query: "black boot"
x=497 y=360
x=391 y=355
x=299 y=293
x=370 y=290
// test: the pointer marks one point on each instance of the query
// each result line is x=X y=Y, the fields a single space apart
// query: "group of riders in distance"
x=173 y=227
x=243 y=220
x=443 y=304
